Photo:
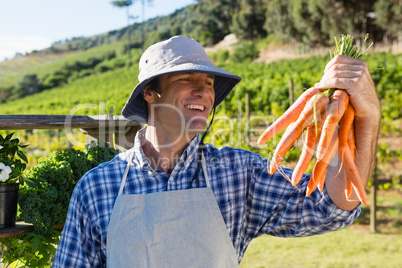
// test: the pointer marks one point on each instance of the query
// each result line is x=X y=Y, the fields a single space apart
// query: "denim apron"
x=182 y=228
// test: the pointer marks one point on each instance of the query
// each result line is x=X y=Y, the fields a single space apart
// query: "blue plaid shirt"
x=252 y=202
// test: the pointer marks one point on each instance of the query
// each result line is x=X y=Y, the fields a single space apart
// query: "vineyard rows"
x=266 y=84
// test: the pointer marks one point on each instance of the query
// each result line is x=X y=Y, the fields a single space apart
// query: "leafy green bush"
x=97 y=154
x=219 y=57
x=245 y=52
x=44 y=199
x=54 y=80
x=101 y=68
x=83 y=73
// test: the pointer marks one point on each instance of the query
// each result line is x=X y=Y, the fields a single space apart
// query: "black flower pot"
x=8 y=204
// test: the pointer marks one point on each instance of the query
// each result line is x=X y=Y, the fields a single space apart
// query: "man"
x=173 y=201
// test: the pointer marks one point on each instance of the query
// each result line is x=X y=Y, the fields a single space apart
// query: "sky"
x=27 y=25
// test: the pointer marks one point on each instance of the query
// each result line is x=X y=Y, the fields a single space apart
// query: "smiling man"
x=173 y=201
x=180 y=107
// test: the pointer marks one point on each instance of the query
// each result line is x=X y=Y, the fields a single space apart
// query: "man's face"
x=182 y=102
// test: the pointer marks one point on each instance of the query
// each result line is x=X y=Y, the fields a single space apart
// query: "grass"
x=345 y=248
x=353 y=246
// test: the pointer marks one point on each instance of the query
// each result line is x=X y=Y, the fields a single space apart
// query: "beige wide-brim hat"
x=177 y=54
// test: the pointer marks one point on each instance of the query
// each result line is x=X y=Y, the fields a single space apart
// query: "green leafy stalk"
x=345 y=47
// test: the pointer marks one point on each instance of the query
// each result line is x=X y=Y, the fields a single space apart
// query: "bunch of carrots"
x=327 y=118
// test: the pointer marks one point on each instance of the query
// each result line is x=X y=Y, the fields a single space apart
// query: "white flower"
x=4 y=172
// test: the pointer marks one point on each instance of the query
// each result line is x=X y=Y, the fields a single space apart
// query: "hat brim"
x=135 y=109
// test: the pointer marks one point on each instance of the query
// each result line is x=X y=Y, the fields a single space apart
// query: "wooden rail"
x=115 y=130
x=22 y=228
x=60 y=121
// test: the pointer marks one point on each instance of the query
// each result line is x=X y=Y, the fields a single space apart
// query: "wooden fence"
x=115 y=130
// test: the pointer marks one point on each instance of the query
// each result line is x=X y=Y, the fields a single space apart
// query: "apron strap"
x=123 y=181
x=204 y=169
x=201 y=147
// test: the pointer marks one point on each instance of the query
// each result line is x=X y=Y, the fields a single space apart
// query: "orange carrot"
x=283 y=146
x=321 y=183
x=336 y=109
x=313 y=133
x=351 y=140
x=353 y=174
x=296 y=129
x=288 y=117
x=321 y=164
x=344 y=128
x=348 y=186
x=351 y=147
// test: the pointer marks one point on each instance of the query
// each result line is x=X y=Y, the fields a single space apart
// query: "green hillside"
x=303 y=23
x=96 y=90
x=46 y=64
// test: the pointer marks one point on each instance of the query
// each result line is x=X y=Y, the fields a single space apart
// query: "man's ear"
x=148 y=95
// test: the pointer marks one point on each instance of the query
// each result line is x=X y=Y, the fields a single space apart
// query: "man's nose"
x=201 y=89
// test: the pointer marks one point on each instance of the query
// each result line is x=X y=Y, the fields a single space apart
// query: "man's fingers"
x=352 y=75
x=340 y=83
x=345 y=61
x=342 y=74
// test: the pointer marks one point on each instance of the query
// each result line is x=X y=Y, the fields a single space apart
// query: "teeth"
x=195 y=107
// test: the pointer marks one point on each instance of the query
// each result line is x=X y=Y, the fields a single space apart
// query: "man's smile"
x=195 y=107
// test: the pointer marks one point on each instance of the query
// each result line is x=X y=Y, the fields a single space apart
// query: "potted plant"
x=12 y=164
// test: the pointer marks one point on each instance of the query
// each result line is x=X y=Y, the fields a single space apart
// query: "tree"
x=278 y=20
x=248 y=22
x=362 y=22
x=28 y=85
x=316 y=22
x=388 y=16
x=5 y=93
x=126 y=4
x=143 y=22
x=214 y=19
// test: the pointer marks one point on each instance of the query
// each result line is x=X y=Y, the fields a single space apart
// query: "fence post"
x=373 y=205
x=247 y=111
x=119 y=136
x=291 y=93
x=124 y=135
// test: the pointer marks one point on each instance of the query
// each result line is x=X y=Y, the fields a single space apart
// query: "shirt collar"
x=188 y=154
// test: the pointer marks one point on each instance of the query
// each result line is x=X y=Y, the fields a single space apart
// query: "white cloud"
x=11 y=44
